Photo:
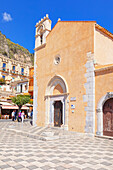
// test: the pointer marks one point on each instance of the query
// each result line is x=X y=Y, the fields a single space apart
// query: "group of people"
x=20 y=117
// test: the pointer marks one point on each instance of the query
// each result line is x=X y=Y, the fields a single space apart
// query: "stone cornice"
x=104 y=69
x=62 y=94
x=40 y=47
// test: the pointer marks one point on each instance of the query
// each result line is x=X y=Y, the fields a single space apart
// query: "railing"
x=13 y=72
x=23 y=74
x=4 y=69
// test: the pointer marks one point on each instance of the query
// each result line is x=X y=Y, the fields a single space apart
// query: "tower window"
x=41 y=38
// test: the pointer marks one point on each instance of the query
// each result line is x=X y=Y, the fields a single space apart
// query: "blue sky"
x=18 y=17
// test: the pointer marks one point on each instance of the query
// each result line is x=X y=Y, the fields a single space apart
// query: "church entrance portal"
x=56 y=103
x=58 y=117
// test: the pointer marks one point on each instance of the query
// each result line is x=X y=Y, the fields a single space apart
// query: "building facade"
x=12 y=70
x=73 y=76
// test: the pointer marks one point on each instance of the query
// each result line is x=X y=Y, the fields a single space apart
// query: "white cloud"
x=7 y=17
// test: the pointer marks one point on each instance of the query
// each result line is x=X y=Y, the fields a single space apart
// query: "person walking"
x=22 y=116
x=19 y=116
x=13 y=115
x=31 y=122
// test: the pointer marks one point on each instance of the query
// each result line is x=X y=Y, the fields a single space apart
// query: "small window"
x=22 y=71
x=4 y=66
x=21 y=88
x=41 y=39
x=26 y=87
x=13 y=67
x=3 y=77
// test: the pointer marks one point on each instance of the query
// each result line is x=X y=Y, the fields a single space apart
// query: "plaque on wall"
x=73 y=99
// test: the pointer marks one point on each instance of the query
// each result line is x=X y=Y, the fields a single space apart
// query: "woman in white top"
x=22 y=116
x=13 y=114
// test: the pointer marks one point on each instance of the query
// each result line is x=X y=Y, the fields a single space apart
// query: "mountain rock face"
x=15 y=51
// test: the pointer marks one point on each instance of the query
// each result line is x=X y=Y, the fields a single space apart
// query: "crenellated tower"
x=43 y=28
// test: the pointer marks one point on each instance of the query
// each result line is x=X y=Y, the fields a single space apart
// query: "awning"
x=6 y=105
x=29 y=105
x=14 y=107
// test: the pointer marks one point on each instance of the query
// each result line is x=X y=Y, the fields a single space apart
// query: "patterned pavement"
x=79 y=152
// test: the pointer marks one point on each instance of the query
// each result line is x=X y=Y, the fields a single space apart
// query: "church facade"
x=73 y=77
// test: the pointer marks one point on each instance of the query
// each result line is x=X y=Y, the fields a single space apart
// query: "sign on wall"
x=73 y=99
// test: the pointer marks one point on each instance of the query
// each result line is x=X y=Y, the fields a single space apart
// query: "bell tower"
x=43 y=28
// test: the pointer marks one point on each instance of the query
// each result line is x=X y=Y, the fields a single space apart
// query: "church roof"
x=102 y=29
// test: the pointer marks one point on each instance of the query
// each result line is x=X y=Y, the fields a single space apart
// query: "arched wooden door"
x=108 y=118
x=58 y=113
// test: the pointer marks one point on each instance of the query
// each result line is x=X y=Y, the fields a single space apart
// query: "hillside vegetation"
x=15 y=51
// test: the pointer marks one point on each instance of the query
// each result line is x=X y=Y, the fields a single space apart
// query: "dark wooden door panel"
x=108 y=118
x=57 y=113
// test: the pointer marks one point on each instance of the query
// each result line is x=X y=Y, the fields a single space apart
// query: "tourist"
x=13 y=115
x=31 y=122
x=29 y=114
x=22 y=116
x=19 y=116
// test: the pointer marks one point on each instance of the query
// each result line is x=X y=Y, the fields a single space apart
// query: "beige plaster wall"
x=72 y=41
x=103 y=48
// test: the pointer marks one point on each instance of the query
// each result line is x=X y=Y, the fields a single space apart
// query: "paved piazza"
x=78 y=152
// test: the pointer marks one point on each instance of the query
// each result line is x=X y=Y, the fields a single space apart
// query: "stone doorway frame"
x=99 y=111
x=50 y=99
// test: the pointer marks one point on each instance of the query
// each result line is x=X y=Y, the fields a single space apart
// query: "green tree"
x=20 y=100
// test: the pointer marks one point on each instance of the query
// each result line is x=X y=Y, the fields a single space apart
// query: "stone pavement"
x=26 y=153
x=43 y=133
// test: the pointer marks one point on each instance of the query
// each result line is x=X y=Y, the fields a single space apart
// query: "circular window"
x=57 y=59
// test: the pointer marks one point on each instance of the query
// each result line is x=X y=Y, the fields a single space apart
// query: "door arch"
x=102 y=113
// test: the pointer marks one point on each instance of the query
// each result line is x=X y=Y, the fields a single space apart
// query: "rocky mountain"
x=14 y=51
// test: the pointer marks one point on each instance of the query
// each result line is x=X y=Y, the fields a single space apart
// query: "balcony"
x=13 y=72
x=23 y=74
x=4 y=69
